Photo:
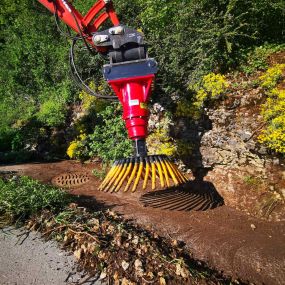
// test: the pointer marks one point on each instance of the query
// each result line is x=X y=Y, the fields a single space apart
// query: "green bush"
x=22 y=197
x=109 y=140
x=34 y=68
x=256 y=58
x=189 y=39
x=52 y=113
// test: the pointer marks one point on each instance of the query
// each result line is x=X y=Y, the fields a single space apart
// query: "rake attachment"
x=126 y=174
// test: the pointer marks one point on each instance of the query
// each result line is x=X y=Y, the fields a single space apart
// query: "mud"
x=237 y=244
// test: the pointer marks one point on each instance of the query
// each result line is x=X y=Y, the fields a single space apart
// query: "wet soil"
x=234 y=243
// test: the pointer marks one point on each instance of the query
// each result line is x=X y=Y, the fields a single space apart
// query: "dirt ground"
x=237 y=244
x=27 y=259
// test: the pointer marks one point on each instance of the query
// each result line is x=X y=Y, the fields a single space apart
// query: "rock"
x=253 y=226
x=245 y=136
x=262 y=150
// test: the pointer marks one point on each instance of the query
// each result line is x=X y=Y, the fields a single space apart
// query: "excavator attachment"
x=150 y=172
x=130 y=73
x=131 y=82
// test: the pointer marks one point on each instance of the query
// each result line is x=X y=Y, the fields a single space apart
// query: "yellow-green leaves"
x=273 y=112
x=271 y=77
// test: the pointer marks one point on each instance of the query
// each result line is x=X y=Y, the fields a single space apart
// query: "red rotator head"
x=132 y=82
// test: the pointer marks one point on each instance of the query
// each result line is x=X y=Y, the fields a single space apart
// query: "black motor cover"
x=124 y=44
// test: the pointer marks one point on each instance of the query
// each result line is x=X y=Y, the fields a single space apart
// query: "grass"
x=22 y=197
x=101 y=173
x=252 y=181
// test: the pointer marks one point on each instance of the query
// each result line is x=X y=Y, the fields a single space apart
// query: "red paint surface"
x=134 y=93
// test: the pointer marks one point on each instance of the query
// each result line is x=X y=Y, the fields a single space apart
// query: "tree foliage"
x=34 y=68
x=188 y=38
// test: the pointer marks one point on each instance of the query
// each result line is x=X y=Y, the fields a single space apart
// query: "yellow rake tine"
x=160 y=173
x=124 y=177
x=153 y=175
x=175 y=172
x=138 y=176
x=120 y=176
x=132 y=176
x=147 y=168
x=171 y=173
x=165 y=172
x=178 y=172
x=107 y=187
x=108 y=177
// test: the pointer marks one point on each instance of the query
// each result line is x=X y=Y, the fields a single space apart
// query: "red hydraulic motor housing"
x=129 y=72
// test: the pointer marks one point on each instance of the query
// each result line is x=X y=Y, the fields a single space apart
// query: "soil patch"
x=236 y=244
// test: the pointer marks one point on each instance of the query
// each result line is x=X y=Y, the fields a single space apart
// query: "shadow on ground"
x=195 y=195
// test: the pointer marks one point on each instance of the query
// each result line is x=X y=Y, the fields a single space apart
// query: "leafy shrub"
x=34 y=68
x=109 y=141
x=159 y=142
x=91 y=102
x=257 y=58
x=273 y=112
x=22 y=197
x=76 y=147
x=52 y=113
x=271 y=77
x=211 y=87
x=186 y=108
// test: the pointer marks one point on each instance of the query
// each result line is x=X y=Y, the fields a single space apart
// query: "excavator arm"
x=86 y=25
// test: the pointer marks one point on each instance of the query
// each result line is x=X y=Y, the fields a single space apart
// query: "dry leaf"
x=84 y=248
x=139 y=268
x=162 y=281
x=78 y=253
x=135 y=240
x=150 y=275
x=181 y=271
x=174 y=242
x=103 y=275
x=116 y=275
x=125 y=281
x=125 y=265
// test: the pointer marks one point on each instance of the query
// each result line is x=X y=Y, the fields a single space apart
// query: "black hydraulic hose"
x=78 y=78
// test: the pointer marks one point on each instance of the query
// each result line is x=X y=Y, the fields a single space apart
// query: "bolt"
x=151 y=63
x=97 y=39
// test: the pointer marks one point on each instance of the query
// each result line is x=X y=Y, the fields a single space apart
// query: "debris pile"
x=120 y=252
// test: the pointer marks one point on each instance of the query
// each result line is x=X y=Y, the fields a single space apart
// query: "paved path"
x=32 y=261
